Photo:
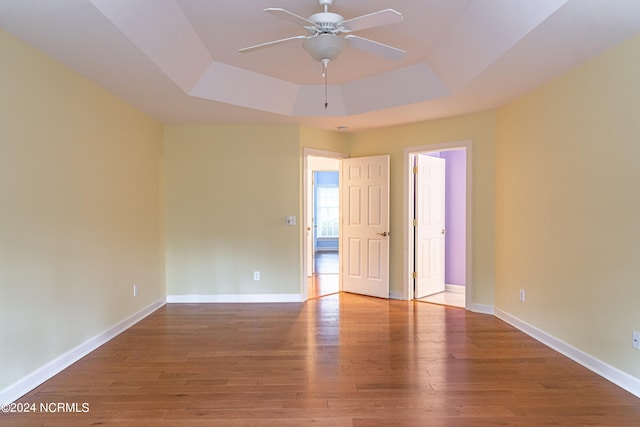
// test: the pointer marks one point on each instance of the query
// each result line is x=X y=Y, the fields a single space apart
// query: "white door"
x=430 y=225
x=365 y=225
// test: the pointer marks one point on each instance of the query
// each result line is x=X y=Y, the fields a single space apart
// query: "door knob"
x=384 y=234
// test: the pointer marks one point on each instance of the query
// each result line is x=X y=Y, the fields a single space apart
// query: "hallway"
x=326 y=279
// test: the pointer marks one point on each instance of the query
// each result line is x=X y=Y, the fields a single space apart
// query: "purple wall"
x=455 y=216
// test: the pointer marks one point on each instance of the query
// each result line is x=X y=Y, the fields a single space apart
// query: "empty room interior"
x=345 y=213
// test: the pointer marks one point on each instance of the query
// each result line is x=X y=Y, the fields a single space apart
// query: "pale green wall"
x=229 y=189
x=568 y=207
x=79 y=210
x=480 y=128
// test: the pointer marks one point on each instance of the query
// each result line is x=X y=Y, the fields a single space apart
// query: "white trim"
x=611 y=373
x=240 y=298
x=407 y=219
x=480 y=308
x=456 y=289
x=47 y=371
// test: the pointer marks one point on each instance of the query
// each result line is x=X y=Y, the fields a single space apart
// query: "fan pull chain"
x=325 y=67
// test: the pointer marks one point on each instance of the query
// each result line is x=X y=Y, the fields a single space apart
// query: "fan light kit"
x=325 y=41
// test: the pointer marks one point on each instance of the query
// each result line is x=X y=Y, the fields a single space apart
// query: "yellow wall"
x=79 y=210
x=568 y=207
x=229 y=189
x=480 y=128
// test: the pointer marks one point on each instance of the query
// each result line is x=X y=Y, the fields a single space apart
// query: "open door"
x=430 y=227
x=365 y=225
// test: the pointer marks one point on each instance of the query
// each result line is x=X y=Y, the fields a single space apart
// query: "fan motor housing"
x=327 y=22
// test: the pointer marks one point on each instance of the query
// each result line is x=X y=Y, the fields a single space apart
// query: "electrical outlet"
x=522 y=295
x=636 y=340
x=256 y=275
x=135 y=290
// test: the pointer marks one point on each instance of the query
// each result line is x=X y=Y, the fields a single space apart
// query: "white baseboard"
x=458 y=289
x=480 y=308
x=611 y=373
x=241 y=298
x=42 y=374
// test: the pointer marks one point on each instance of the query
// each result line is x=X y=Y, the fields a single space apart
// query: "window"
x=327 y=212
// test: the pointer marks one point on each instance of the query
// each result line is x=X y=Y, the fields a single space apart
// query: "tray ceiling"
x=178 y=60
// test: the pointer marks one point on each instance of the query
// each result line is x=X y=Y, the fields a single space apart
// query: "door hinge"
x=415 y=222
x=415 y=169
x=415 y=274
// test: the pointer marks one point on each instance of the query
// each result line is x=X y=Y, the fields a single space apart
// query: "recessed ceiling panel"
x=403 y=86
x=160 y=30
x=483 y=33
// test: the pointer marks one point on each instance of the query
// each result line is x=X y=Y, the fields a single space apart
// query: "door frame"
x=306 y=153
x=408 y=209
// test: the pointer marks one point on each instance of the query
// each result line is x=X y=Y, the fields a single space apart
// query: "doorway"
x=438 y=204
x=321 y=222
x=325 y=228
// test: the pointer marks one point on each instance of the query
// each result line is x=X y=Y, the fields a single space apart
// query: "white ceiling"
x=178 y=60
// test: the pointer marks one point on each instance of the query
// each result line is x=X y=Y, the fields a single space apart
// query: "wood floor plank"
x=340 y=360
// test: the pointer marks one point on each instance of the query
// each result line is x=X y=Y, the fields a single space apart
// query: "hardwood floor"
x=341 y=360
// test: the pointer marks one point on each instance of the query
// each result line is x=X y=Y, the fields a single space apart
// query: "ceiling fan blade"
x=375 y=19
x=375 y=47
x=291 y=17
x=268 y=44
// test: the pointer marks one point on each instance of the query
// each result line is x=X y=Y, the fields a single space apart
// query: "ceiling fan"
x=325 y=41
